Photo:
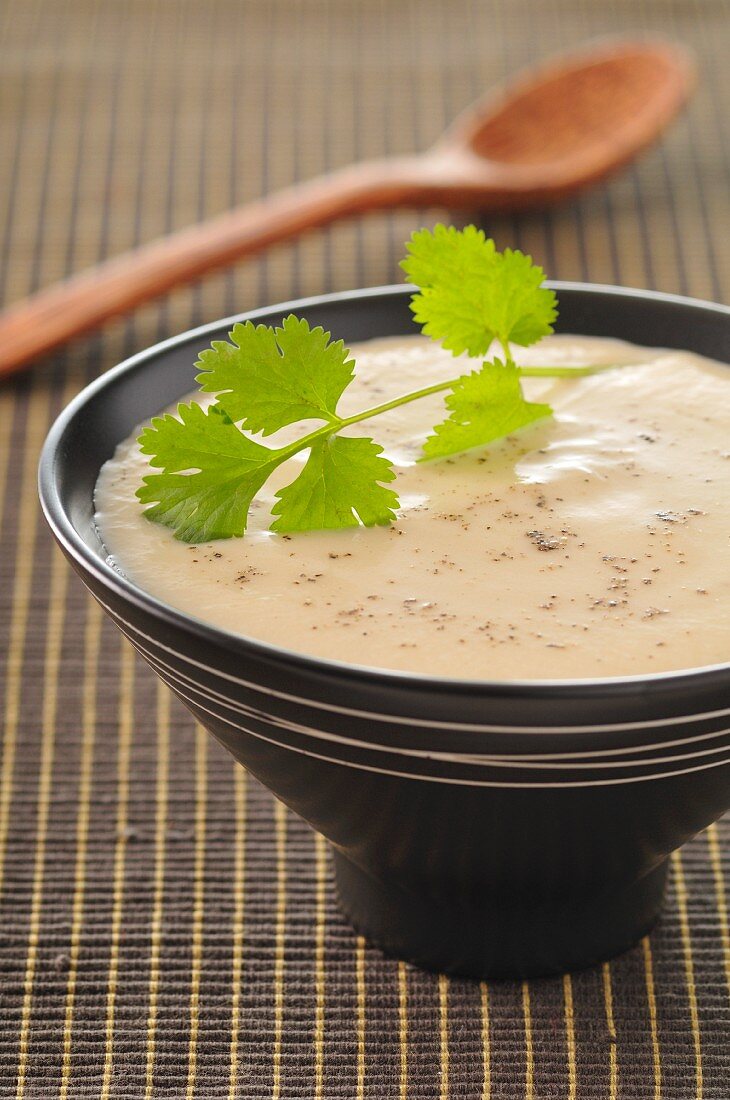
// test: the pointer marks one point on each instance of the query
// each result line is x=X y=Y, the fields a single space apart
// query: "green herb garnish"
x=470 y=298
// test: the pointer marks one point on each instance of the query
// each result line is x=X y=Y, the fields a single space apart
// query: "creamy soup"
x=596 y=543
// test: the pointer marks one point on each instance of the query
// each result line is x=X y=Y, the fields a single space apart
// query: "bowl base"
x=491 y=940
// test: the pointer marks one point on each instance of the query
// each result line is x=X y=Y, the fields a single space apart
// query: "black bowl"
x=483 y=828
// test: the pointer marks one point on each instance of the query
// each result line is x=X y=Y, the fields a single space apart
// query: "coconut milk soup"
x=596 y=543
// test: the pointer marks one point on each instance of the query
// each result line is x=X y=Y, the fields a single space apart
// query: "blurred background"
x=165 y=929
x=124 y=120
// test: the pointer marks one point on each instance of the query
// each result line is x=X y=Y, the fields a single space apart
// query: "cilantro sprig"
x=469 y=297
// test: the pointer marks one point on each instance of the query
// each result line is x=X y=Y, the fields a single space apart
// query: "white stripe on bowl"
x=162 y=667
x=457 y=782
x=171 y=682
x=375 y=716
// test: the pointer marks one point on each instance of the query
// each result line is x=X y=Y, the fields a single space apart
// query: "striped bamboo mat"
x=166 y=929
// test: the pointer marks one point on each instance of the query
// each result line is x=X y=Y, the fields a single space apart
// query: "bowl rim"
x=109 y=578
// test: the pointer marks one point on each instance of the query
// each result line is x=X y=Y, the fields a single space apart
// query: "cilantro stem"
x=336 y=424
x=553 y=372
x=405 y=399
x=504 y=344
x=306 y=441
x=567 y=372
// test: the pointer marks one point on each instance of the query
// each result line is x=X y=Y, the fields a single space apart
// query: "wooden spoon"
x=547 y=135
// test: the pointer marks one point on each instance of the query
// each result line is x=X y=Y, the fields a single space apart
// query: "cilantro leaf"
x=524 y=309
x=470 y=294
x=448 y=255
x=267 y=378
x=211 y=473
x=340 y=486
x=485 y=405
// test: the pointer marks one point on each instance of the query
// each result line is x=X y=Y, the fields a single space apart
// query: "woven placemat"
x=166 y=928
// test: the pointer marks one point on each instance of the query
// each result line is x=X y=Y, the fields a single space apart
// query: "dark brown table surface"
x=166 y=929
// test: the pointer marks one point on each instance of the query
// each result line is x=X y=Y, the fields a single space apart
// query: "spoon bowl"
x=561 y=127
x=552 y=132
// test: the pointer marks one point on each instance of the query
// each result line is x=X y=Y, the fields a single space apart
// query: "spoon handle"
x=41 y=322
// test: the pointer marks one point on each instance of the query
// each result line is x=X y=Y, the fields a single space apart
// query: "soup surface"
x=596 y=543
